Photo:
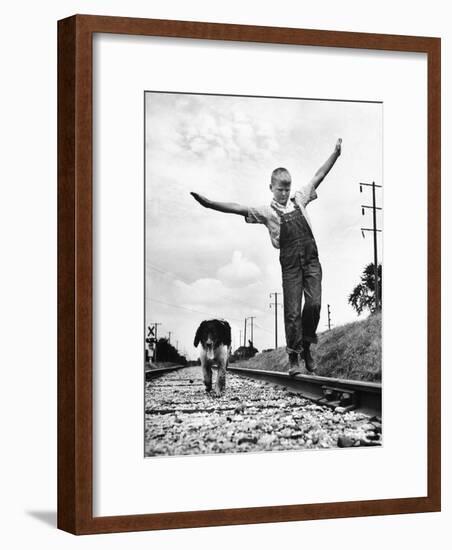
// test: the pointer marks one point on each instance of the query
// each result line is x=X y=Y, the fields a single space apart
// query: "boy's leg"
x=312 y=283
x=292 y=279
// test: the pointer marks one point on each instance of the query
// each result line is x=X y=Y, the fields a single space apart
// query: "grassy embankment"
x=351 y=351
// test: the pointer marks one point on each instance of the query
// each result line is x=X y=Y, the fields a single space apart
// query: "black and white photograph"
x=200 y=199
x=263 y=273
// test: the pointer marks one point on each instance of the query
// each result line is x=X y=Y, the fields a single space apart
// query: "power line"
x=155 y=268
x=209 y=314
x=262 y=328
x=188 y=309
x=225 y=296
x=205 y=312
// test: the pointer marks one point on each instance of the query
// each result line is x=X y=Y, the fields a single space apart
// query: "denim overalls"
x=301 y=273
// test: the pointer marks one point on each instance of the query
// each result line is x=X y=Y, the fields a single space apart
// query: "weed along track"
x=253 y=415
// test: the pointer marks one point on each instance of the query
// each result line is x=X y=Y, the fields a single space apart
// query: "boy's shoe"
x=308 y=359
x=294 y=365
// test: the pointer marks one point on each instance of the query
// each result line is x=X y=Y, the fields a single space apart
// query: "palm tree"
x=363 y=295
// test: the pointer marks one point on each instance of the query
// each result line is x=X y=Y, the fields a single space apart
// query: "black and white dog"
x=215 y=338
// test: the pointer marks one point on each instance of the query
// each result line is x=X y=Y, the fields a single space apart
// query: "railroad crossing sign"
x=150 y=340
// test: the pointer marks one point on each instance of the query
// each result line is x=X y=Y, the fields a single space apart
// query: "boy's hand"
x=338 y=147
x=202 y=200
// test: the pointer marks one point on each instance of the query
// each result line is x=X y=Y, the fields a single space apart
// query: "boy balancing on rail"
x=290 y=231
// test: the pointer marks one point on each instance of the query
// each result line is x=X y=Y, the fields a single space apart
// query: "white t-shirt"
x=266 y=214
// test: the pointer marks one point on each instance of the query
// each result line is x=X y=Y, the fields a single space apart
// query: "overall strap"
x=280 y=214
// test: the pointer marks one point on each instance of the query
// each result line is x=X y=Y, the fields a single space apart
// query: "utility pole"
x=156 y=325
x=240 y=338
x=375 y=231
x=169 y=337
x=329 y=317
x=177 y=345
x=275 y=305
x=252 y=334
x=244 y=335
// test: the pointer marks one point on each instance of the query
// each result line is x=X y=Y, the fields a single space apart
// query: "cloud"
x=239 y=271
x=225 y=133
x=237 y=281
x=202 y=291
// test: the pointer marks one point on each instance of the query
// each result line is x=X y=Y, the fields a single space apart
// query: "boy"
x=290 y=231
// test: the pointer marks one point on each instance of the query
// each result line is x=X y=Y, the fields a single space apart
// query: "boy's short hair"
x=281 y=175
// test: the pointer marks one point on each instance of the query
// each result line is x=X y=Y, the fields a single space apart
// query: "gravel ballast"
x=251 y=416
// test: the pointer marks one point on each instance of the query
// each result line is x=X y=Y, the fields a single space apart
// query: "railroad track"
x=333 y=392
x=253 y=415
x=150 y=374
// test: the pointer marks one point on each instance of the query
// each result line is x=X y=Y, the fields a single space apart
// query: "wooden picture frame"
x=75 y=274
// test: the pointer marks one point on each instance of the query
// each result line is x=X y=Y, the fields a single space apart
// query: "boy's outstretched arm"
x=228 y=207
x=319 y=176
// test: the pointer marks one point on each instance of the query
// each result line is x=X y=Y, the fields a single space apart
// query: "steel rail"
x=366 y=395
x=150 y=374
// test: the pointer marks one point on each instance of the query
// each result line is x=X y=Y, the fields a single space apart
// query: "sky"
x=203 y=264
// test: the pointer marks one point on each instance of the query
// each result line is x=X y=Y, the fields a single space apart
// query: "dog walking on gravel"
x=214 y=336
x=290 y=231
